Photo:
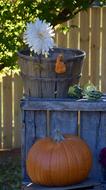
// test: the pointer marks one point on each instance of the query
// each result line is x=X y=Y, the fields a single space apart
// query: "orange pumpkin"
x=59 y=163
x=60 y=67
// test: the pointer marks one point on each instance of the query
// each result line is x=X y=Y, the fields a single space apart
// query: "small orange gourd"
x=60 y=67
x=59 y=162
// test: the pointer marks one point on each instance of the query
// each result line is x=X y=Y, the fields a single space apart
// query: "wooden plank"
x=90 y=123
x=102 y=131
x=103 y=70
x=22 y=64
x=7 y=112
x=33 y=127
x=29 y=134
x=23 y=147
x=41 y=124
x=95 y=45
x=34 y=86
x=84 y=44
x=30 y=129
x=64 y=105
x=18 y=90
x=61 y=38
x=65 y=121
x=101 y=139
x=73 y=38
x=83 y=185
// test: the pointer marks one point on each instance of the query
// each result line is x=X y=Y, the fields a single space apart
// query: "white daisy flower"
x=39 y=36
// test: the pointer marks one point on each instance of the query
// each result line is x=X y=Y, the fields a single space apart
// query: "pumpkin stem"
x=58 y=135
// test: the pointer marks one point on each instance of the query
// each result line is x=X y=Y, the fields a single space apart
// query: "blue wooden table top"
x=69 y=104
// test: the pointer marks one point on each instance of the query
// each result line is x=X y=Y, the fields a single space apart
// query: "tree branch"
x=66 y=14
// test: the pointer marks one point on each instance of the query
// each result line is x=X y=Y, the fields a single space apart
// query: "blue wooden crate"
x=85 y=118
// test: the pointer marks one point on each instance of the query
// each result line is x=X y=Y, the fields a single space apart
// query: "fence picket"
x=95 y=45
x=61 y=38
x=17 y=112
x=84 y=44
x=103 y=73
x=7 y=112
x=74 y=31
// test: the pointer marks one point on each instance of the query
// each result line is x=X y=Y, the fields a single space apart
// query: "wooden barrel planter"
x=40 y=78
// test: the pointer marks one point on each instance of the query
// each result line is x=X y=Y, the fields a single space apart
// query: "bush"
x=14 y=15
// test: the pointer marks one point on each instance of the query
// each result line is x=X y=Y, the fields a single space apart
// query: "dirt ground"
x=4 y=154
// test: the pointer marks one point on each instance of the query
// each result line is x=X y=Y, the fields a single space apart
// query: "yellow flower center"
x=41 y=35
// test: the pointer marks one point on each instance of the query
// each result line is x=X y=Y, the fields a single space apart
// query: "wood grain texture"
x=30 y=129
x=7 y=112
x=96 y=188
x=101 y=139
x=103 y=66
x=40 y=78
x=40 y=123
x=84 y=44
x=23 y=147
x=86 y=185
x=33 y=127
x=63 y=104
x=73 y=33
x=17 y=111
x=102 y=131
x=47 y=115
x=61 y=38
x=90 y=125
x=95 y=45
x=65 y=121
x=30 y=135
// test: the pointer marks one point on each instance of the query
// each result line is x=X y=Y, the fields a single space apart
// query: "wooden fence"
x=90 y=35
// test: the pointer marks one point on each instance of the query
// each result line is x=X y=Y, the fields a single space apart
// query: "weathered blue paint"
x=63 y=104
x=42 y=116
x=86 y=184
x=89 y=129
x=65 y=121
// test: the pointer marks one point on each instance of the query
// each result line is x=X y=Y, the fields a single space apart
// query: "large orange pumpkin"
x=59 y=163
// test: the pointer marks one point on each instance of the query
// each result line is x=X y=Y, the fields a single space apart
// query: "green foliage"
x=14 y=14
x=13 y=18
x=89 y=92
x=61 y=11
x=75 y=91
x=10 y=174
x=93 y=95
